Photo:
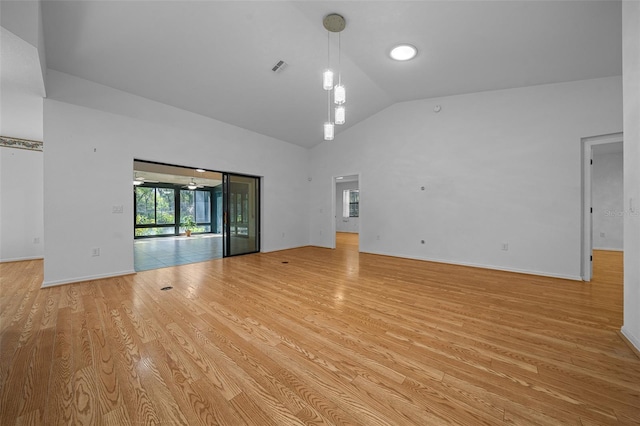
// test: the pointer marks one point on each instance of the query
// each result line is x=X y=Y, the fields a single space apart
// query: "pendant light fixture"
x=328 y=125
x=339 y=93
x=340 y=114
x=327 y=75
x=328 y=131
x=333 y=23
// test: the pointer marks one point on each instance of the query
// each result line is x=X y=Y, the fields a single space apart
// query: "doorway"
x=603 y=200
x=241 y=231
x=184 y=215
x=346 y=206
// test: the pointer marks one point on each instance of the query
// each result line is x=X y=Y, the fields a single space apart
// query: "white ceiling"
x=214 y=58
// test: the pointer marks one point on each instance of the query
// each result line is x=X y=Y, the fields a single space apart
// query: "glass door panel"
x=241 y=227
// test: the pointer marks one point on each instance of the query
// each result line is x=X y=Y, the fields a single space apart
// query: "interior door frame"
x=334 y=182
x=586 y=264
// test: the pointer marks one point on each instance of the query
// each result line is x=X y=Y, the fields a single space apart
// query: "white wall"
x=21 y=221
x=607 y=198
x=631 y=83
x=22 y=89
x=497 y=167
x=345 y=224
x=88 y=167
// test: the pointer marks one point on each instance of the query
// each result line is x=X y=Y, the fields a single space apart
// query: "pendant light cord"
x=339 y=58
x=328 y=67
x=328 y=51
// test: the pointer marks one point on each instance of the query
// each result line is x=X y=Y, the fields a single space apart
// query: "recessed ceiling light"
x=403 y=52
x=200 y=170
x=339 y=178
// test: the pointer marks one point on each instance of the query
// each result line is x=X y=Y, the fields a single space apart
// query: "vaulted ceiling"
x=214 y=58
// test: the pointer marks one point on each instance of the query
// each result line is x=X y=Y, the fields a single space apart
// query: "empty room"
x=314 y=212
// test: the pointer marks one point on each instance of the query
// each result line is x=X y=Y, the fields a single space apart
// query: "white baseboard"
x=20 y=259
x=88 y=278
x=482 y=266
x=607 y=249
x=635 y=341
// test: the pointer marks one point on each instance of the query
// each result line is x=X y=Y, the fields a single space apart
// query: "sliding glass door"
x=241 y=228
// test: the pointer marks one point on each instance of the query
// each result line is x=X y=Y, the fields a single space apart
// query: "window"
x=165 y=206
x=162 y=209
x=154 y=206
x=351 y=203
x=203 y=206
x=197 y=206
x=145 y=205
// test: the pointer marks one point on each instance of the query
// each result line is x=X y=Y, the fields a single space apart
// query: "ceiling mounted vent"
x=279 y=67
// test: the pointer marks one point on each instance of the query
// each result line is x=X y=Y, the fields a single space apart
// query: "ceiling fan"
x=139 y=180
x=193 y=185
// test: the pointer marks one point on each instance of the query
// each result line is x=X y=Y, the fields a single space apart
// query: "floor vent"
x=166 y=288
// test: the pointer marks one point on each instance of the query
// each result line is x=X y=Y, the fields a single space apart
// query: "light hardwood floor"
x=316 y=336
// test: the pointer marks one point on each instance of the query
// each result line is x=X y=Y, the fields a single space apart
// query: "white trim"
x=334 y=183
x=630 y=337
x=587 y=144
x=20 y=259
x=482 y=266
x=608 y=249
x=88 y=278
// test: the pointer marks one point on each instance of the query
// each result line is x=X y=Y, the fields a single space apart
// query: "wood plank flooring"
x=316 y=336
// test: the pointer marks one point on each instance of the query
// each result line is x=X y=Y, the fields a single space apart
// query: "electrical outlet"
x=505 y=246
x=95 y=251
x=36 y=240
x=602 y=235
x=421 y=241
x=118 y=209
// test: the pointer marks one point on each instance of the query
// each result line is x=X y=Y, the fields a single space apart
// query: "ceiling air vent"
x=279 y=67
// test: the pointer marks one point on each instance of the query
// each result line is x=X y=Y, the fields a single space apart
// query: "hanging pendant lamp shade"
x=327 y=80
x=340 y=114
x=328 y=131
x=339 y=94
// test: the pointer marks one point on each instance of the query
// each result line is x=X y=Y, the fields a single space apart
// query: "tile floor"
x=154 y=253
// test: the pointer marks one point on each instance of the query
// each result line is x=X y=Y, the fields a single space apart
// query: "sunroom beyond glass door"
x=242 y=221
